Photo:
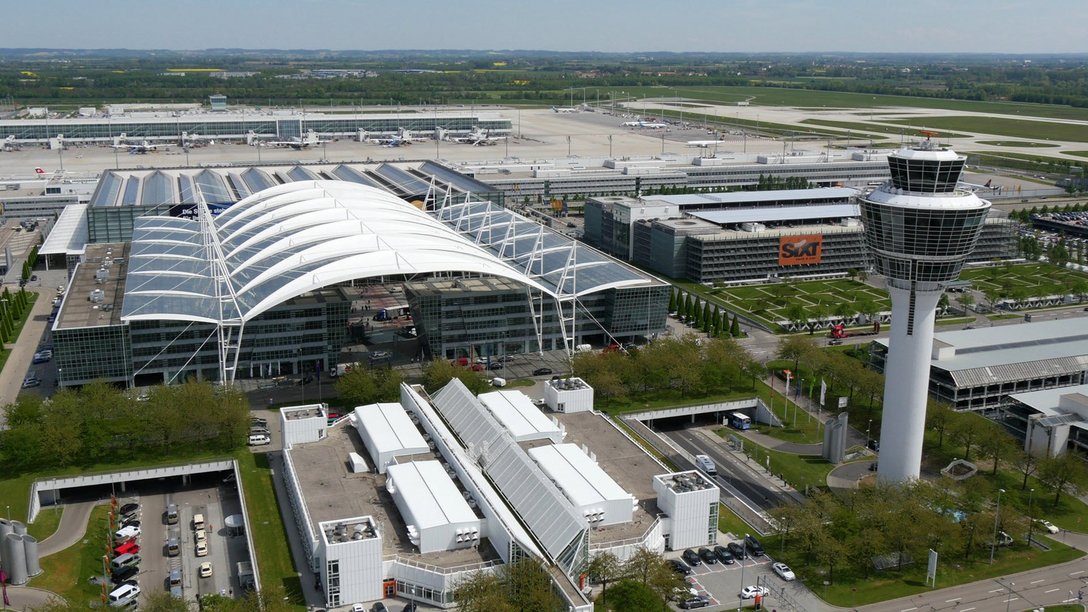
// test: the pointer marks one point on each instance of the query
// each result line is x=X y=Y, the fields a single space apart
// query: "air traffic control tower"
x=919 y=229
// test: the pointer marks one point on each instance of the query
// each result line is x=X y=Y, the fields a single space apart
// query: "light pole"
x=740 y=598
x=1031 y=515
x=868 y=428
x=997 y=516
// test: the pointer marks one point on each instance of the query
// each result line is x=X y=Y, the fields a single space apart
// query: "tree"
x=964 y=430
x=966 y=300
x=603 y=568
x=687 y=306
x=939 y=417
x=994 y=443
x=481 y=592
x=642 y=564
x=529 y=587
x=362 y=386
x=439 y=372
x=1027 y=464
x=633 y=595
x=704 y=318
x=734 y=328
x=795 y=348
x=795 y=314
x=672 y=301
x=1064 y=473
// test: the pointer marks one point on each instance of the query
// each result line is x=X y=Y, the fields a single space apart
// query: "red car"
x=129 y=547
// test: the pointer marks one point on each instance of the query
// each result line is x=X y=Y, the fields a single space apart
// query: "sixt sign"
x=796 y=250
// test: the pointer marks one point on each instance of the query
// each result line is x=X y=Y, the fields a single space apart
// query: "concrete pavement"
x=28 y=598
x=22 y=352
x=72 y=527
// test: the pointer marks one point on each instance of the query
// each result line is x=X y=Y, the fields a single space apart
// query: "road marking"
x=908 y=609
x=1011 y=599
x=1037 y=581
x=997 y=590
x=1050 y=591
x=951 y=600
x=1076 y=572
x=966 y=610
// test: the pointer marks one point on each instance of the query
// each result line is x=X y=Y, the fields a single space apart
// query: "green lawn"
x=818 y=299
x=46 y=523
x=66 y=573
x=1027 y=280
x=1016 y=143
x=878 y=128
x=729 y=522
x=1077 y=153
x=851 y=589
x=1002 y=126
x=800 y=471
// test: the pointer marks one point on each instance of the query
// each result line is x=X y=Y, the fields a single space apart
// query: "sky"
x=945 y=26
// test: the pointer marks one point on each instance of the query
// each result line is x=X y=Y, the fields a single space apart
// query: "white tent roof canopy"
x=286 y=241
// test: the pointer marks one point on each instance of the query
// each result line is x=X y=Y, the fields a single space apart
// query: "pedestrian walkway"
x=22 y=352
x=72 y=528
x=28 y=598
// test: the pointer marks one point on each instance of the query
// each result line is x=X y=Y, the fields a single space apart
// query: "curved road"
x=72 y=527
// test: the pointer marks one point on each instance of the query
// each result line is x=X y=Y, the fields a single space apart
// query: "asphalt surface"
x=72 y=527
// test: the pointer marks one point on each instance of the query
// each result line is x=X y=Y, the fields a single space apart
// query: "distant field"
x=1028 y=280
x=881 y=129
x=1077 y=153
x=1016 y=143
x=1016 y=128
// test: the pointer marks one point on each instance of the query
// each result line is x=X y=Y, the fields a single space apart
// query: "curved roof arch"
x=289 y=240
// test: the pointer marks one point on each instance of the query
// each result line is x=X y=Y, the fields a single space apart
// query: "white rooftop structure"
x=69 y=233
x=586 y=485
x=436 y=513
x=1056 y=419
x=521 y=417
x=388 y=433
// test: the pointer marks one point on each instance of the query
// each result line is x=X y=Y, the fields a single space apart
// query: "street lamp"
x=740 y=597
x=997 y=515
x=1031 y=515
x=868 y=428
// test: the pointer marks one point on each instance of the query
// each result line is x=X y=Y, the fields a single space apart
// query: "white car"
x=206 y=569
x=1050 y=527
x=784 y=572
x=751 y=591
x=201 y=535
x=202 y=549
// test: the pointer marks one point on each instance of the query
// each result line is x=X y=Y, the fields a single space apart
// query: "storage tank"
x=18 y=528
x=14 y=559
x=30 y=549
x=5 y=529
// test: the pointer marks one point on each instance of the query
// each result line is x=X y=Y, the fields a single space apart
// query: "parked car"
x=128 y=509
x=724 y=555
x=206 y=569
x=124 y=574
x=202 y=549
x=127 y=548
x=680 y=567
x=691 y=558
x=737 y=550
x=784 y=572
x=31 y=381
x=708 y=556
x=751 y=591
x=42 y=357
x=694 y=602
x=1050 y=527
x=542 y=371
x=130 y=521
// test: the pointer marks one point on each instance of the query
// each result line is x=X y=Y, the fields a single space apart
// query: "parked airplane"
x=296 y=142
x=479 y=138
x=703 y=144
x=403 y=139
x=653 y=125
x=135 y=147
x=564 y=109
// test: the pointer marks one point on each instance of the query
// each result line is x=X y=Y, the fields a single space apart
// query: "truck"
x=706 y=464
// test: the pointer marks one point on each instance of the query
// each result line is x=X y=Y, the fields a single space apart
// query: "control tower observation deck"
x=919 y=228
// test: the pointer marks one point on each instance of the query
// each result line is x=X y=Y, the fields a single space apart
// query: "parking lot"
x=224 y=549
x=721 y=583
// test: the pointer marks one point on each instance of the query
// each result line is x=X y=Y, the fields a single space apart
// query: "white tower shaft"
x=906 y=387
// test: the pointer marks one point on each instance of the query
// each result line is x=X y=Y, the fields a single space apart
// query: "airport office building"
x=750 y=236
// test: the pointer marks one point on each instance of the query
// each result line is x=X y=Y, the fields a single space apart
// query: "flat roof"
x=1013 y=344
x=581 y=479
x=69 y=234
x=741 y=197
x=390 y=428
x=295 y=413
x=777 y=214
x=428 y=491
x=333 y=493
x=520 y=416
x=77 y=310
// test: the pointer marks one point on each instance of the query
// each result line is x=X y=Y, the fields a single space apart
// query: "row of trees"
x=643 y=583
x=12 y=309
x=101 y=424
x=697 y=313
x=670 y=367
x=361 y=386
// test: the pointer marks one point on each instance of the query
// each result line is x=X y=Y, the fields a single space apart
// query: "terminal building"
x=750 y=236
x=184 y=127
x=264 y=287
x=981 y=369
x=477 y=498
x=1052 y=421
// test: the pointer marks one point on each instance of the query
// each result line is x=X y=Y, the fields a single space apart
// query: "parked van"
x=198 y=521
x=173 y=548
x=125 y=560
x=259 y=440
x=172 y=514
x=754 y=547
x=705 y=464
x=124 y=595
x=126 y=533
